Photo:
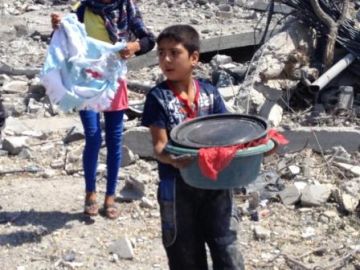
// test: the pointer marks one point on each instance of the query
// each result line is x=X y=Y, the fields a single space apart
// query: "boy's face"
x=175 y=61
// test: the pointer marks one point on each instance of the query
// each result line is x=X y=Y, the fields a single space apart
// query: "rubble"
x=122 y=248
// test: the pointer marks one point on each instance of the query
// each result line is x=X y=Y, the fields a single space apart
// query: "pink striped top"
x=120 y=101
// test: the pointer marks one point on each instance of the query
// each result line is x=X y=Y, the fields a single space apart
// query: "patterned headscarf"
x=110 y=13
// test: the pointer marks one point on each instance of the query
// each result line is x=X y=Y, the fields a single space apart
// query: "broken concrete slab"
x=138 y=140
x=74 y=134
x=273 y=112
x=53 y=124
x=321 y=138
x=225 y=42
x=123 y=248
x=220 y=59
x=16 y=87
x=349 y=167
x=228 y=92
x=290 y=195
x=6 y=69
x=14 y=145
x=264 y=6
x=349 y=203
x=315 y=195
x=134 y=188
x=127 y=156
x=15 y=126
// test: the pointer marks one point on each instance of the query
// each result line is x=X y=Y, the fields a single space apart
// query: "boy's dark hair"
x=182 y=33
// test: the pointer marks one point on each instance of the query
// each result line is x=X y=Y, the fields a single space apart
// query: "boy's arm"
x=160 y=139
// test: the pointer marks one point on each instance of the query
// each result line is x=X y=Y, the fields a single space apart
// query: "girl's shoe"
x=111 y=211
x=91 y=208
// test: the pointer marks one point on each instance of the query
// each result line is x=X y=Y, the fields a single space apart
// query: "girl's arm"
x=146 y=39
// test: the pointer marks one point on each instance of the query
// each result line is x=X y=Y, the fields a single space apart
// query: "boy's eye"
x=171 y=53
x=175 y=53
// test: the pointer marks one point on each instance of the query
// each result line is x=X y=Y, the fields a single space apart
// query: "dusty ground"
x=42 y=227
x=45 y=224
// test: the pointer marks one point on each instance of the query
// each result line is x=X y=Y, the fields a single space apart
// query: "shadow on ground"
x=36 y=225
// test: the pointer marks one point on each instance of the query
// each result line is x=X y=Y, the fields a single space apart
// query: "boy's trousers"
x=192 y=217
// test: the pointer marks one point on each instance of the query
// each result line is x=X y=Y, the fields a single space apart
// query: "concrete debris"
x=220 y=59
x=138 y=140
x=290 y=195
x=14 y=145
x=308 y=233
x=322 y=138
x=14 y=87
x=293 y=170
x=277 y=63
x=74 y=134
x=349 y=203
x=315 y=195
x=49 y=173
x=122 y=248
x=228 y=92
x=352 y=186
x=73 y=162
x=134 y=188
x=57 y=164
x=146 y=203
x=349 y=167
x=260 y=233
x=127 y=157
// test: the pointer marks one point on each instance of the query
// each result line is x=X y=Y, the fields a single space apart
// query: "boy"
x=190 y=217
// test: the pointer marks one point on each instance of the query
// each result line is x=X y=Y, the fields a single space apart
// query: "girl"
x=109 y=21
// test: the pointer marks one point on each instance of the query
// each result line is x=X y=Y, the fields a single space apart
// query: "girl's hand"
x=130 y=49
x=55 y=20
x=182 y=161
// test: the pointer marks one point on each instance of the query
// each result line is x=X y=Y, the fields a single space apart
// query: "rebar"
x=348 y=36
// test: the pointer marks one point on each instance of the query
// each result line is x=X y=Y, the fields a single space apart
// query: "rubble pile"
x=303 y=212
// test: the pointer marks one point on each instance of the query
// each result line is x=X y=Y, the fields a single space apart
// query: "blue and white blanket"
x=81 y=72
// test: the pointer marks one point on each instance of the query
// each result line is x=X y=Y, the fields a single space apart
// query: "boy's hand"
x=272 y=151
x=130 y=49
x=55 y=20
x=182 y=161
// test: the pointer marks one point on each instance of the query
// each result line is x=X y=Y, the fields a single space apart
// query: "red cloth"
x=191 y=111
x=214 y=159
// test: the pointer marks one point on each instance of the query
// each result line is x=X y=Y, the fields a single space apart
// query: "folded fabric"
x=81 y=72
x=213 y=160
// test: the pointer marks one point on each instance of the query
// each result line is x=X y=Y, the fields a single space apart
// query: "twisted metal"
x=348 y=36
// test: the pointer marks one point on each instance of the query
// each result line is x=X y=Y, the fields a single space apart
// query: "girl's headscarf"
x=110 y=13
